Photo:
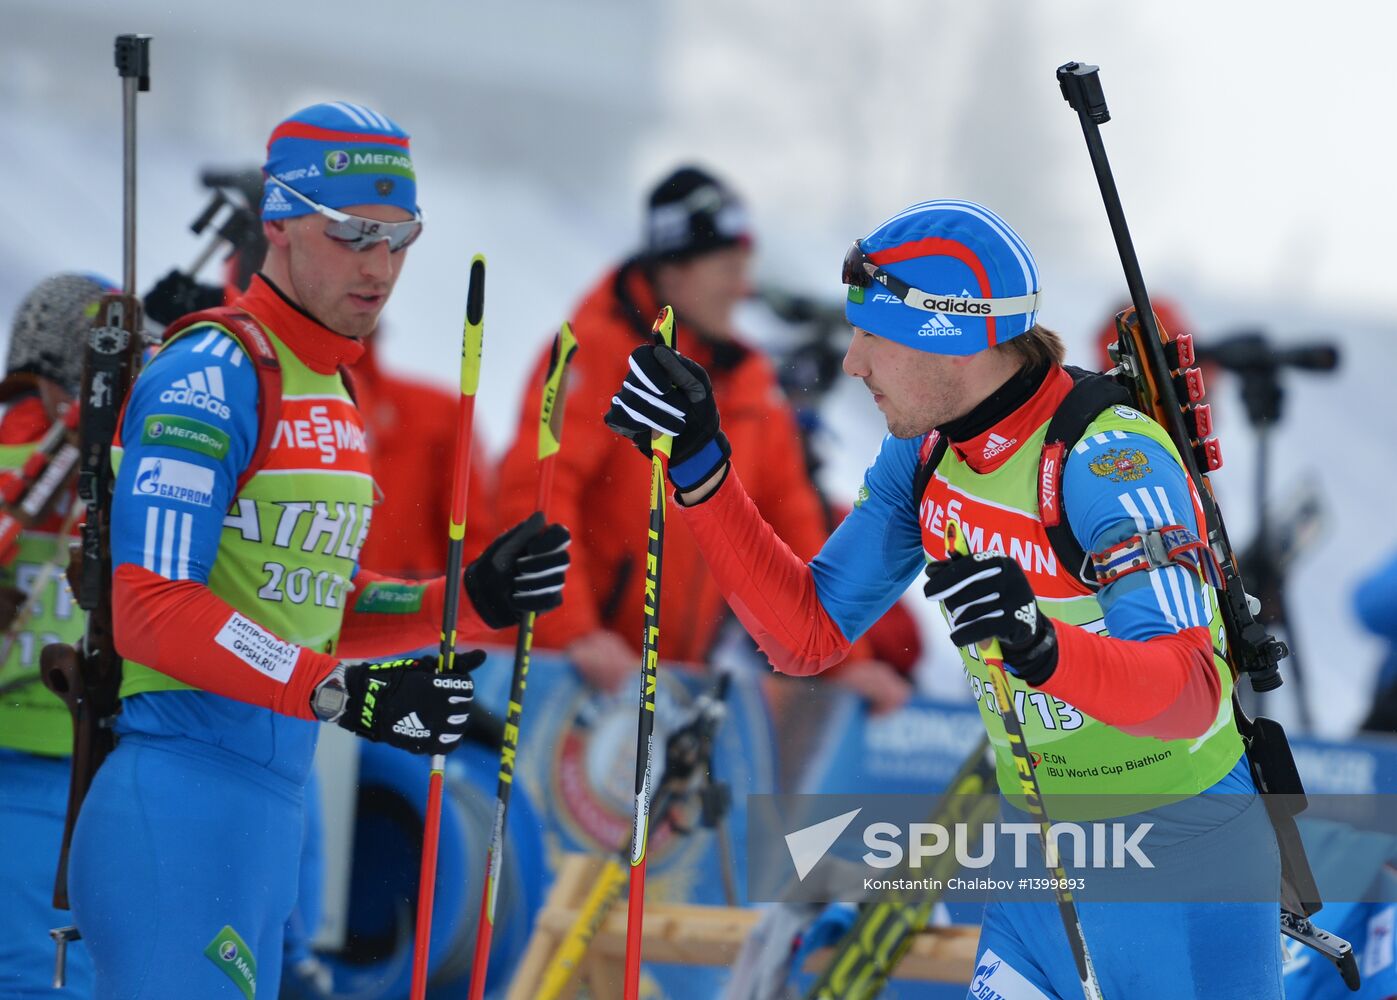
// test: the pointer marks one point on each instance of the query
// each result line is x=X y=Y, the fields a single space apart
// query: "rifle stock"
x=88 y=677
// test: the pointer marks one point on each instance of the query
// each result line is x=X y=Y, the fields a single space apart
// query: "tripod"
x=1259 y=365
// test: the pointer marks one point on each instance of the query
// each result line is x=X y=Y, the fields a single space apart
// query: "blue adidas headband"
x=947 y=277
x=339 y=155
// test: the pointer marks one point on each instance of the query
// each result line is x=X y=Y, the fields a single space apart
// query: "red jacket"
x=601 y=485
x=411 y=429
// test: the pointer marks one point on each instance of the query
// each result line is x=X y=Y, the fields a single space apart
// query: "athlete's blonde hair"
x=1039 y=346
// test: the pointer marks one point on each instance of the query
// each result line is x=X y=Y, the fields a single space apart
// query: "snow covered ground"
x=1256 y=182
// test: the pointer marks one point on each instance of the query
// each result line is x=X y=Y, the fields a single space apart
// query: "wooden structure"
x=694 y=935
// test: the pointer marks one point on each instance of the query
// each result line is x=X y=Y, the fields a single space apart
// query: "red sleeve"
x=768 y=587
x=367 y=632
x=1167 y=687
x=182 y=629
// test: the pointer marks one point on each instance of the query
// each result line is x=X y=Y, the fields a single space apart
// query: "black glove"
x=177 y=294
x=408 y=703
x=987 y=596
x=521 y=570
x=667 y=393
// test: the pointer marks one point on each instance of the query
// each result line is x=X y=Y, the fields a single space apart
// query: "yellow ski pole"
x=1028 y=787
x=650 y=656
x=550 y=433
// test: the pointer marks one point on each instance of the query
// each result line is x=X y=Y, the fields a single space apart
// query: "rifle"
x=88 y=677
x=229 y=223
x=1159 y=372
x=235 y=228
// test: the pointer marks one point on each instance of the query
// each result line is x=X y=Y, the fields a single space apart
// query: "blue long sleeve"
x=189 y=431
x=1119 y=484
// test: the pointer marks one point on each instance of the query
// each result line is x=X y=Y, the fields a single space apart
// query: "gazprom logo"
x=336 y=161
x=171 y=479
x=980 y=987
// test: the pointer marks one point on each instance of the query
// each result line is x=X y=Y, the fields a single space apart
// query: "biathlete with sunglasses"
x=1113 y=660
x=243 y=498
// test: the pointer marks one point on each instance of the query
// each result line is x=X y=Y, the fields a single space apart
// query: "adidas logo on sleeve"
x=201 y=390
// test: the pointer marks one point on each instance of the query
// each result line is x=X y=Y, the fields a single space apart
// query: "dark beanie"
x=691 y=212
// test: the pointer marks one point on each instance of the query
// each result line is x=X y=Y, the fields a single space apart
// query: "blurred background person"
x=411 y=427
x=696 y=256
x=43 y=375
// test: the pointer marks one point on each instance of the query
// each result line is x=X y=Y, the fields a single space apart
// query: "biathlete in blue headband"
x=1114 y=673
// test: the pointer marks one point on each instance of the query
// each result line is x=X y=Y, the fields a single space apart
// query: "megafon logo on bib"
x=171 y=479
x=336 y=161
x=201 y=390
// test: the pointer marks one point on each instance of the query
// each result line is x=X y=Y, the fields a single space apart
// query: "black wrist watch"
x=331 y=697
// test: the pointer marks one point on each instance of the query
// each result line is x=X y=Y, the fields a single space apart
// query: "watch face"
x=330 y=702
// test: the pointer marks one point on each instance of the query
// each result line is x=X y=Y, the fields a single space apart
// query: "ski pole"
x=550 y=434
x=1028 y=786
x=471 y=339
x=649 y=660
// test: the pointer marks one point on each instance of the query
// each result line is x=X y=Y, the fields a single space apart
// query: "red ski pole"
x=649 y=660
x=550 y=435
x=471 y=340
